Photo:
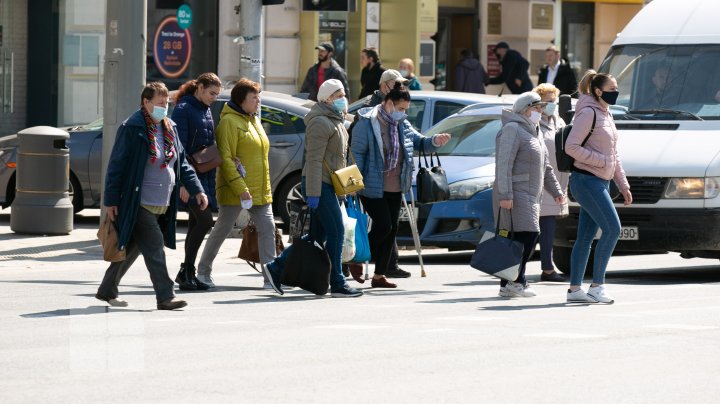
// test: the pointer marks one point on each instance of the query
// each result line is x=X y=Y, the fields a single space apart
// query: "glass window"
x=275 y=121
x=444 y=109
x=415 y=113
x=90 y=50
x=471 y=135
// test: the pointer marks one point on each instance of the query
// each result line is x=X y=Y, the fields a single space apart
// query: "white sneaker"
x=514 y=289
x=207 y=279
x=117 y=303
x=579 y=296
x=267 y=285
x=598 y=293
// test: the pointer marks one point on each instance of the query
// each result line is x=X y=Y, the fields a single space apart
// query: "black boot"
x=198 y=283
x=185 y=279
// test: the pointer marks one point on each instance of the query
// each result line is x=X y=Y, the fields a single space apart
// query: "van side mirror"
x=564 y=107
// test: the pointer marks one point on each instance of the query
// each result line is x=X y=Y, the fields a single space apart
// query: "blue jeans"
x=326 y=226
x=596 y=212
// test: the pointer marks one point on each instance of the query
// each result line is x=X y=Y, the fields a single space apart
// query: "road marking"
x=469 y=318
x=566 y=335
x=352 y=326
x=685 y=327
x=233 y=322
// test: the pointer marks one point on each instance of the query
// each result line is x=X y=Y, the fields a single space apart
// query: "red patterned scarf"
x=168 y=137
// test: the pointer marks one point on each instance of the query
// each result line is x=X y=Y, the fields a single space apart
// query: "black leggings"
x=529 y=240
x=384 y=213
x=199 y=224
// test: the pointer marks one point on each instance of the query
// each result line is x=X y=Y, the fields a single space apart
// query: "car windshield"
x=472 y=135
x=667 y=82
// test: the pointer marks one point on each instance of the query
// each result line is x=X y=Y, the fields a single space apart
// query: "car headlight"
x=465 y=189
x=693 y=188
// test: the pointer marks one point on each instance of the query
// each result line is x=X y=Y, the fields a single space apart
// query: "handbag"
x=108 y=236
x=348 y=250
x=308 y=264
x=346 y=180
x=362 y=242
x=497 y=255
x=431 y=181
x=205 y=159
x=249 y=250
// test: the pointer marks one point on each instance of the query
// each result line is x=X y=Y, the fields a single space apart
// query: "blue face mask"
x=340 y=105
x=397 y=116
x=159 y=113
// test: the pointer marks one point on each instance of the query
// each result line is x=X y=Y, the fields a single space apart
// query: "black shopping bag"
x=308 y=264
x=431 y=181
x=497 y=255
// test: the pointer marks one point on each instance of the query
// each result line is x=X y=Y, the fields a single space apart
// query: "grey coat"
x=522 y=170
x=548 y=127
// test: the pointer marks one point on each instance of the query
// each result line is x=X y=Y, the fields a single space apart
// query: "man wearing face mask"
x=522 y=171
x=325 y=69
x=382 y=144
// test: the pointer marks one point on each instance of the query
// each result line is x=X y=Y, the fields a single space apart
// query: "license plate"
x=626 y=233
x=404 y=214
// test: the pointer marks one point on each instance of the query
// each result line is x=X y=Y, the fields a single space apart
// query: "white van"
x=667 y=64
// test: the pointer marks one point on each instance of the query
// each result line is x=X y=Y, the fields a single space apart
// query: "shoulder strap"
x=592 y=128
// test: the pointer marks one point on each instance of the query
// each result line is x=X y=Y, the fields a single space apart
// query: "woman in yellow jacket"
x=243 y=178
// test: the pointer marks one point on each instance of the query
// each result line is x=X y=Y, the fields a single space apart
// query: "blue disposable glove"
x=313 y=201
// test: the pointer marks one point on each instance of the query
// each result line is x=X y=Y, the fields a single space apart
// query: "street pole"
x=251 y=40
x=125 y=47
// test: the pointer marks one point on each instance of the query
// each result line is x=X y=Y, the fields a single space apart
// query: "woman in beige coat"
x=550 y=123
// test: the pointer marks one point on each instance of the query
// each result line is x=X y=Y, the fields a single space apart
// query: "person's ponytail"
x=592 y=80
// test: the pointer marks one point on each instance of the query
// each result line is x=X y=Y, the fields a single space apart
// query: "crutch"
x=414 y=230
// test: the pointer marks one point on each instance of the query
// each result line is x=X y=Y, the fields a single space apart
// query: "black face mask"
x=610 y=97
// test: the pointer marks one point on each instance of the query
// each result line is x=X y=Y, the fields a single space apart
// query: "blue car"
x=469 y=163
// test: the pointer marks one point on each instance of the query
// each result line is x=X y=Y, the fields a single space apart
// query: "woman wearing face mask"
x=196 y=129
x=243 y=180
x=382 y=143
x=146 y=166
x=407 y=70
x=522 y=170
x=596 y=163
x=550 y=123
x=326 y=141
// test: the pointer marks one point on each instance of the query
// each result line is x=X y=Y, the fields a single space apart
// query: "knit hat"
x=527 y=100
x=327 y=46
x=392 y=74
x=328 y=88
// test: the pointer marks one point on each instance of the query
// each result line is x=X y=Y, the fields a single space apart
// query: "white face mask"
x=535 y=117
x=246 y=203
x=550 y=108
x=404 y=73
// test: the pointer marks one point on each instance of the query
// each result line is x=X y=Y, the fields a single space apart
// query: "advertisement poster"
x=172 y=48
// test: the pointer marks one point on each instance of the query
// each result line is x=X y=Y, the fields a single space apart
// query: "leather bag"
x=205 y=159
x=308 y=264
x=249 y=249
x=108 y=236
x=431 y=181
x=497 y=255
x=346 y=180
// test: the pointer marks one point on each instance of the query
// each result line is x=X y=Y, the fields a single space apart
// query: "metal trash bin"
x=42 y=202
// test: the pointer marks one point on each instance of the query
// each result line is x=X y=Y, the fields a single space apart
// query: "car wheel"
x=561 y=258
x=75 y=194
x=287 y=192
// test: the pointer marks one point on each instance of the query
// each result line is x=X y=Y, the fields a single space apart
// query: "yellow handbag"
x=346 y=180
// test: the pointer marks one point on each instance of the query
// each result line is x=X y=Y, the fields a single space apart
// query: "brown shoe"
x=172 y=304
x=382 y=283
x=356 y=270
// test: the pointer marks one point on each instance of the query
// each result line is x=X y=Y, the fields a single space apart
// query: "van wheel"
x=561 y=258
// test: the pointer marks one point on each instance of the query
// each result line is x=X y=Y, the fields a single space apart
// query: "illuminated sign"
x=172 y=48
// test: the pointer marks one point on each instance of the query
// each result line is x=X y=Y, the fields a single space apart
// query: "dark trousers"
x=384 y=213
x=529 y=240
x=547 y=234
x=199 y=224
x=146 y=239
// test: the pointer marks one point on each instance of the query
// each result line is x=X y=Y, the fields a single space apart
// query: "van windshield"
x=678 y=82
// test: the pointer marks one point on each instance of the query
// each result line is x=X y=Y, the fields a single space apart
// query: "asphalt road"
x=447 y=337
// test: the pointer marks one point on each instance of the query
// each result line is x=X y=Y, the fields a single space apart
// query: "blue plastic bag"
x=362 y=243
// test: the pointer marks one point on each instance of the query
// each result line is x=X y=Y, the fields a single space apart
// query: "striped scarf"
x=168 y=137
x=392 y=148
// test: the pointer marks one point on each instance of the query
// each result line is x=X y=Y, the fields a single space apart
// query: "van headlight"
x=465 y=189
x=693 y=188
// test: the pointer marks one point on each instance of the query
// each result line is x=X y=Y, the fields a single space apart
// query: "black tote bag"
x=497 y=255
x=431 y=181
x=308 y=264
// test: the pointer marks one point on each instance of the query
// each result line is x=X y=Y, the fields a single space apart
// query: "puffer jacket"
x=196 y=129
x=548 y=127
x=242 y=136
x=599 y=154
x=326 y=140
x=522 y=170
x=367 y=148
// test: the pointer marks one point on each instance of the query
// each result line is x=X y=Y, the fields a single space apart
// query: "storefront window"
x=333 y=29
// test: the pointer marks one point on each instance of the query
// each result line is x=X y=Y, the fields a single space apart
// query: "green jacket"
x=326 y=139
x=242 y=136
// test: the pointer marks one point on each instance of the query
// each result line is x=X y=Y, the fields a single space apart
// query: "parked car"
x=469 y=162
x=282 y=118
x=427 y=108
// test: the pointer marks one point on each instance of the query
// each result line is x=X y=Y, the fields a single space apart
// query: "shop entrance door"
x=578 y=25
